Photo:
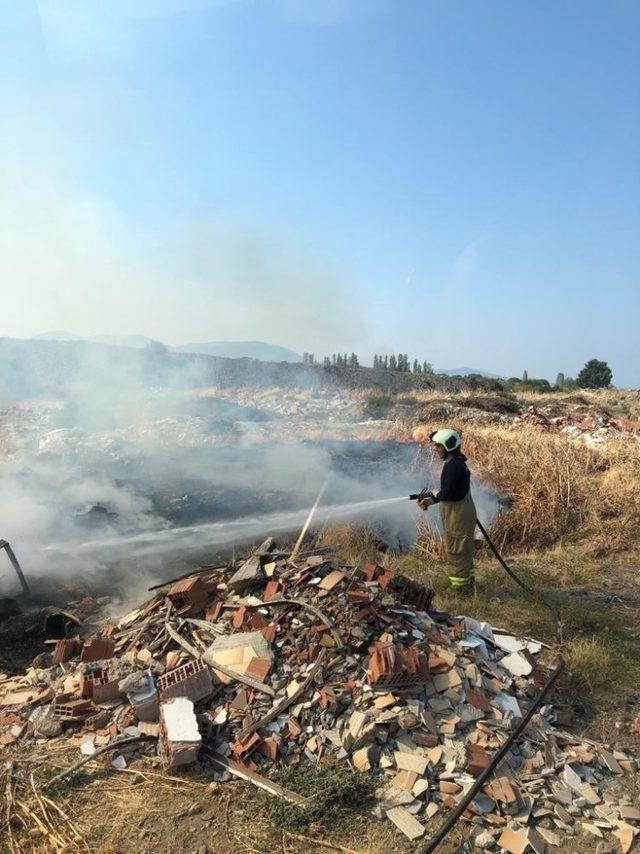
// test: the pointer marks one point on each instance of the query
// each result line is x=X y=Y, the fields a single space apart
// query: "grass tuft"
x=333 y=792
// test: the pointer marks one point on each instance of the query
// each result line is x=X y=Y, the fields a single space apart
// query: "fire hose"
x=555 y=612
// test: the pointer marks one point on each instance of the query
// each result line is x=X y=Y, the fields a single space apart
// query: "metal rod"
x=455 y=814
x=14 y=560
x=296 y=548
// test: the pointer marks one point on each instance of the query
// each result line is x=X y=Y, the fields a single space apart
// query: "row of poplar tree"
x=380 y=363
x=401 y=363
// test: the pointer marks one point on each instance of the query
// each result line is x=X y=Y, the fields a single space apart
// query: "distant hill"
x=40 y=369
x=259 y=350
x=464 y=372
x=58 y=335
x=139 y=342
x=242 y=349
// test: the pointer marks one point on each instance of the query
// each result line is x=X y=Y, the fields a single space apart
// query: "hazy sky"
x=455 y=179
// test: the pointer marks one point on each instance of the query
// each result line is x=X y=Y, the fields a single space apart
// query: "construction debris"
x=593 y=428
x=266 y=665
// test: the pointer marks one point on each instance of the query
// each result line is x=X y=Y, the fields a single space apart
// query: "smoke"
x=119 y=471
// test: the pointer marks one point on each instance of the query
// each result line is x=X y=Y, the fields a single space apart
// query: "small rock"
x=605 y=848
x=42 y=661
x=484 y=840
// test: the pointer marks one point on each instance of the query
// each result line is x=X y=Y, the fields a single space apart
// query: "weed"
x=332 y=792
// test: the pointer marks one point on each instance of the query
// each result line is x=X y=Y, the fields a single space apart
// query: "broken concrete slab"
x=406 y=823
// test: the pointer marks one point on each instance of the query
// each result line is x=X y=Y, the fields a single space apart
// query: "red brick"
x=214 y=611
x=108 y=631
x=99 y=685
x=385 y=579
x=477 y=759
x=269 y=748
x=238 y=617
x=240 y=747
x=359 y=597
x=192 y=680
x=97 y=649
x=257 y=621
x=65 y=650
x=272 y=589
x=269 y=632
x=394 y=666
x=189 y=595
x=258 y=668
x=98 y=720
x=370 y=570
x=478 y=699
x=72 y=708
x=411 y=592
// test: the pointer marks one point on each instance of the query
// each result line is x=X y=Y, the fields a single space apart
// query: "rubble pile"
x=288 y=659
x=592 y=428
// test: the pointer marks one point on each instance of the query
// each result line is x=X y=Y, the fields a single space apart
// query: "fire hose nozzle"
x=416 y=496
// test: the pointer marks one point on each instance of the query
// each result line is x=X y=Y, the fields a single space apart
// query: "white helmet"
x=449 y=439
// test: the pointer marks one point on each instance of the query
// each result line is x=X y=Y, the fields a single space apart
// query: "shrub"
x=332 y=792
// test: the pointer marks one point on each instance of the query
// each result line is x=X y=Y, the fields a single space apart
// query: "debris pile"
x=592 y=428
x=289 y=659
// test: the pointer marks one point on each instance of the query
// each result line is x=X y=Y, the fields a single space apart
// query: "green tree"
x=393 y=363
x=427 y=368
x=415 y=366
x=327 y=361
x=560 y=380
x=525 y=376
x=595 y=374
x=386 y=363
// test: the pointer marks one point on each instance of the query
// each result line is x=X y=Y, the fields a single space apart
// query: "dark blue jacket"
x=454 y=480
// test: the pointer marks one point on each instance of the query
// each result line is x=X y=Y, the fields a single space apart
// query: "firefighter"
x=457 y=510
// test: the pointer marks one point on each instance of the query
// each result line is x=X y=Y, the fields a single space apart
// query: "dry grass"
x=560 y=491
x=358 y=543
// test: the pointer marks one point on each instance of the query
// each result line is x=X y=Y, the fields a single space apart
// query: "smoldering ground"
x=121 y=477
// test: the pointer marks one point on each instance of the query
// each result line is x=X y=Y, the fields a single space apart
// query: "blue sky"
x=455 y=179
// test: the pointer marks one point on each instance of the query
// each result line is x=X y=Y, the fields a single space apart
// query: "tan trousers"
x=459 y=524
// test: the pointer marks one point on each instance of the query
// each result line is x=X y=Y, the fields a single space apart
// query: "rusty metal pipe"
x=14 y=561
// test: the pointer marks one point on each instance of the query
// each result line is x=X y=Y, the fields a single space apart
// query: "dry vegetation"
x=560 y=491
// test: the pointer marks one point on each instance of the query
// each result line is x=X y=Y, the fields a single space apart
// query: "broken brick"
x=188 y=596
x=65 y=650
x=477 y=759
x=97 y=649
x=192 y=680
